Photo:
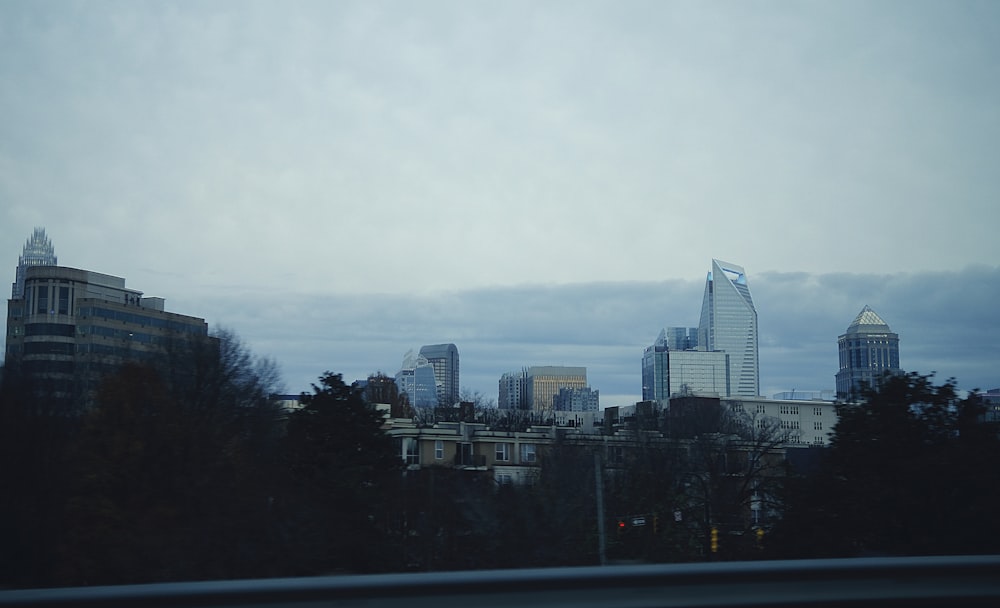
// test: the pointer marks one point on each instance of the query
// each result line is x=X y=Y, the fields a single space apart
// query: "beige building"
x=542 y=384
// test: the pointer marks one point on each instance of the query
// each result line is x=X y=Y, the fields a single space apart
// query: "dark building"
x=868 y=350
x=72 y=327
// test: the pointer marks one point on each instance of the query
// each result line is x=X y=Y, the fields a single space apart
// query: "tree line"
x=201 y=475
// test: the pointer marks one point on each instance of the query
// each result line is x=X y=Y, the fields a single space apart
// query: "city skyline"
x=800 y=339
x=537 y=183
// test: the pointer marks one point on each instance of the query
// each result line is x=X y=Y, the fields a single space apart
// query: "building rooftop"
x=867 y=321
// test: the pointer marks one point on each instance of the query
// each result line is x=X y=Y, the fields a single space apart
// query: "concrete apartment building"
x=617 y=438
x=514 y=457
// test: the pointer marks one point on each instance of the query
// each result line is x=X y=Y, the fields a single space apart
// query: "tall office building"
x=72 y=327
x=38 y=251
x=542 y=384
x=511 y=395
x=416 y=380
x=444 y=359
x=576 y=400
x=667 y=372
x=868 y=350
x=729 y=324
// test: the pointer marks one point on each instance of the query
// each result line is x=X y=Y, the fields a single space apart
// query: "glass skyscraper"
x=444 y=359
x=868 y=350
x=729 y=324
x=669 y=370
x=416 y=380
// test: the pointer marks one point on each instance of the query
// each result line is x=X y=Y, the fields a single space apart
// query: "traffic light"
x=714 y=538
x=621 y=526
x=656 y=523
x=760 y=537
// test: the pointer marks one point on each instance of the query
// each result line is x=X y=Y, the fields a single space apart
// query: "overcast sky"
x=541 y=183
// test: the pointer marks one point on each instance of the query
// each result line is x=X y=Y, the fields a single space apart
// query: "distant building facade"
x=542 y=384
x=73 y=327
x=991 y=405
x=821 y=395
x=416 y=380
x=679 y=338
x=576 y=400
x=868 y=350
x=667 y=372
x=444 y=359
x=729 y=324
x=510 y=390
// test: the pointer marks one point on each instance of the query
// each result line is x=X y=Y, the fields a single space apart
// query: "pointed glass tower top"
x=38 y=251
x=867 y=320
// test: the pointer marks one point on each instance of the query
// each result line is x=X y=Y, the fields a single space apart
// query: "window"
x=817 y=426
x=528 y=453
x=43 y=299
x=817 y=411
x=64 y=300
x=504 y=479
x=761 y=408
x=503 y=452
x=438 y=449
x=411 y=450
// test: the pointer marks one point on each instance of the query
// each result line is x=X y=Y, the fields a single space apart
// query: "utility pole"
x=599 y=483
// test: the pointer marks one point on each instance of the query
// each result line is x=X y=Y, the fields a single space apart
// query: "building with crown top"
x=67 y=328
x=868 y=350
x=38 y=251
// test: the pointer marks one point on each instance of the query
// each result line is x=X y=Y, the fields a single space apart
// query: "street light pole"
x=599 y=483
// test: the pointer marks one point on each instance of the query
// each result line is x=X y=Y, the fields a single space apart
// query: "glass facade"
x=667 y=372
x=444 y=359
x=416 y=380
x=729 y=324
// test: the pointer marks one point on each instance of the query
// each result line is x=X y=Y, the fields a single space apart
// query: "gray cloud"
x=565 y=142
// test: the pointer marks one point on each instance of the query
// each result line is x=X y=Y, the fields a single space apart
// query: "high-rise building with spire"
x=729 y=324
x=38 y=251
x=868 y=350
x=69 y=328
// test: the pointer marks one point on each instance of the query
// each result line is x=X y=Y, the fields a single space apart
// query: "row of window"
x=48 y=299
x=139 y=319
x=64 y=330
x=502 y=453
